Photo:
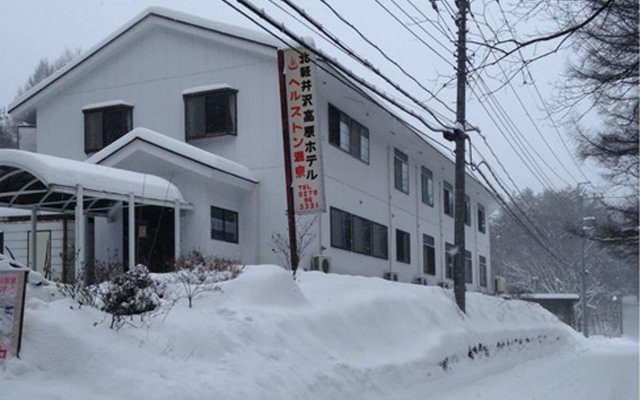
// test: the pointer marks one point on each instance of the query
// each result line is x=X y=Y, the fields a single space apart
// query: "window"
x=352 y=233
x=481 y=219
x=448 y=199
x=483 y=270
x=224 y=225
x=401 y=171
x=468 y=267
x=211 y=113
x=403 y=246
x=361 y=235
x=103 y=126
x=427 y=186
x=449 y=260
x=347 y=134
x=467 y=211
x=429 y=252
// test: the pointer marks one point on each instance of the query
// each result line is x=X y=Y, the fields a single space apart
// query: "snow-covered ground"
x=323 y=337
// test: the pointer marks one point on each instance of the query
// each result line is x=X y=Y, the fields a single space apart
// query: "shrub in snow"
x=197 y=273
x=129 y=293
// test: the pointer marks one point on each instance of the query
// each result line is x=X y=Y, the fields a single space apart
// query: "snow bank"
x=267 y=337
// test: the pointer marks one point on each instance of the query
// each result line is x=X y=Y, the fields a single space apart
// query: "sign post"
x=302 y=147
x=12 y=294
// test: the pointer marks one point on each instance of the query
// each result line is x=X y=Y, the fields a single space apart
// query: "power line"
x=524 y=108
x=542 y=102
x=332 y=61
x=372 y=44
x=446 y=60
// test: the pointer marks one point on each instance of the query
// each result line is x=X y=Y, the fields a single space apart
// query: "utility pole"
x=583 y=269
x=459 y=137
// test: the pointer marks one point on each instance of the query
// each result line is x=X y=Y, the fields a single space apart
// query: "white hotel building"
x=195 y=106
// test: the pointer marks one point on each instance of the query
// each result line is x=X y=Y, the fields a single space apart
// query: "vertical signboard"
x=12 y=291
x=304 y=138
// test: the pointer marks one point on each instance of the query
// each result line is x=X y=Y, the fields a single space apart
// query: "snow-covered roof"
x=151 y=14
x=207 y=88
x=28 y=179
x=177 y=147
x=104 y=104
x=551 y=296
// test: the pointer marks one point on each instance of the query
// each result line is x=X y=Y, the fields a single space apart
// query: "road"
x=606 y=369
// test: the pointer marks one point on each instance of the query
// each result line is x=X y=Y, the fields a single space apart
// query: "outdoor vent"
x=321 y=263
x=390 y=276
x=420 y=281
x=500 y=284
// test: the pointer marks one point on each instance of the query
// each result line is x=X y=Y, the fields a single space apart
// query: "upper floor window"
x=483 y=270
x=224 y=225
x=349 y=135
x=448 y=199
x=467 y=211
x=482 y=227
x=210 y=113
x=427 y=186
x=104 y=125
x=403 y=246
x=401 y=171
x=429 y=250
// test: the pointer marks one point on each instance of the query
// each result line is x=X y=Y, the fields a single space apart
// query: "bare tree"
x=305 y=235
x=44 y=68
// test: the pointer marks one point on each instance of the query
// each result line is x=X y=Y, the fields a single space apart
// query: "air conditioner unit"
x=321 y=263
x=420 y=280
x=500 y=284
x=390 y=276
x=445 y=285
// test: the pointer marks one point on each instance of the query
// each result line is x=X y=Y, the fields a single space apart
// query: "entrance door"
x=154 y=237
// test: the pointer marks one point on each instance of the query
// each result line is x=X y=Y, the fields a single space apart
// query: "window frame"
x=403 y=248
x=467 y=210
x=401 y=159
x=355 y=144
x=225 y=132
x=482 y=221
x=468 y=267
x=482 y=269
x=448 y=202
x=110 y=108
x=350 y=243
x=427 y=186
x=449 y=260
x=428 y=255
x=225 y=221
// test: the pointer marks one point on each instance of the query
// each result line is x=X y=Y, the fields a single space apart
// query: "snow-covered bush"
x=197 y=273
x=130 y=293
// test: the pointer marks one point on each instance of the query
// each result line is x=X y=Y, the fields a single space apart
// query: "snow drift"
x=265 y=336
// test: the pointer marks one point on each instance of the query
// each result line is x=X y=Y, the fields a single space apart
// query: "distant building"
x=560 y=304
x=206 y=99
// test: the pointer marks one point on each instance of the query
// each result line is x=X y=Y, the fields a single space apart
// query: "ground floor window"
x=449 y=260
x=224 y=225
x=483 y=270
x=360 y=235
x=429 y=253
x=403 y=246
x=468 y=267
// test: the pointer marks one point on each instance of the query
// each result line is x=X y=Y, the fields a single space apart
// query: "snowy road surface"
x=605 y=370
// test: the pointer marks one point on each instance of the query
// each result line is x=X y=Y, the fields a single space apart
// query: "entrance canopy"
x=50 y=183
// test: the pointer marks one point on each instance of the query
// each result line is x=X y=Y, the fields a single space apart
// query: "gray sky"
x=35 y=29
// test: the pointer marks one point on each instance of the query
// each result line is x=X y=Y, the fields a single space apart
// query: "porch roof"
x=51 y=183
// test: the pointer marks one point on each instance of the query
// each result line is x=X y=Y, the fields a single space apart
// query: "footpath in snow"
x=265 y=336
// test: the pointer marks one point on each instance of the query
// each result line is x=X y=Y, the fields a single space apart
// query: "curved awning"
x=51 y=183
